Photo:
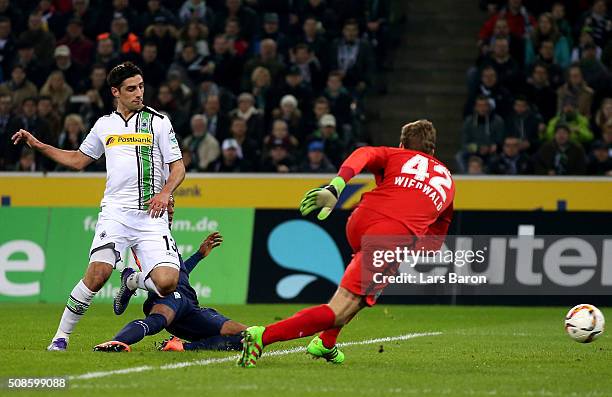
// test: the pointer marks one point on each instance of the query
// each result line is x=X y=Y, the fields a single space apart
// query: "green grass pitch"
x=480 y=351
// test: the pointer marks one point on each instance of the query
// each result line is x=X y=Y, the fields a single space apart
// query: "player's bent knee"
x=97 y=275
x=165 y=278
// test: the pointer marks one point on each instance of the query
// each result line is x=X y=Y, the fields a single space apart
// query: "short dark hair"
x=44 y=98
x=121 y=72
x=521 y=98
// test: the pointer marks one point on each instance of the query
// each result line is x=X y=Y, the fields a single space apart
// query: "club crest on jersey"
x=129 y=139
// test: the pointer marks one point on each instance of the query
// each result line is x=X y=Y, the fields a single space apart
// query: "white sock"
x=150 y=286
x=78 y=303
x=133 y=281
x=138 y=280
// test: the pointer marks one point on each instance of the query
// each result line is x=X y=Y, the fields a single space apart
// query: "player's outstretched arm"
x=159 y=203
x=211 y=242
x=74 y=159
x=326 y=197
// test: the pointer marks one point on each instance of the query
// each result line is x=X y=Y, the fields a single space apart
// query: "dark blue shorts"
x=190 y=322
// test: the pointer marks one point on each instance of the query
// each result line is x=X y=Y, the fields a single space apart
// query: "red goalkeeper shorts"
x=358 y=275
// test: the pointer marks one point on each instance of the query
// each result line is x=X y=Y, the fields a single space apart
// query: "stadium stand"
x=540 y=92
x=252 y=85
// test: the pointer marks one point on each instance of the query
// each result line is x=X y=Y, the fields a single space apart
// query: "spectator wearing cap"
x=164 y=35
x=227 y=65
x=247 y=18
x=7 y=46
x=576 y=89
x=577 y=124
x=58 y=90
x=196 y=10
x=278 y=159
x=249 y=146
x=353 y=57
x=154 y=9
x=280 y=130
x=599 y=161
x=73 y=72
x=152 y=68
x=271 y=31
x=334 y=148
x=560 y=156
x=194 y=33
x=511 y=161
x=253 y=118
x=26 y=56
x=316 y=161
x=309 y=65
x=105 y=52
x=81 y=48
x=339 y=99
x=204 y=148
x=18 y=87
x=539 y=92
x=231 y=159
x=218 y=122
x=526 y=124
x=42 y=40
x=267 y=58
x=289 y=112
x=294 y=85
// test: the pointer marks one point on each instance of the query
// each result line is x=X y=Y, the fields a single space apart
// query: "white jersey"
x=138 y=151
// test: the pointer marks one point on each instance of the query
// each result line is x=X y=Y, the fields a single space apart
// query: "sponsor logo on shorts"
x=129 y=140
x=177 y=295
x=103 y=235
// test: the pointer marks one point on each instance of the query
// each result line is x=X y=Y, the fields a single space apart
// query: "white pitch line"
x=209 y=361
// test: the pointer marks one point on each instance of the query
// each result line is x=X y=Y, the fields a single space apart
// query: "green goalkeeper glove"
x=322 y=197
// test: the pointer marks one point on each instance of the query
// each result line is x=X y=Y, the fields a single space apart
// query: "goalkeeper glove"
x=322 y=197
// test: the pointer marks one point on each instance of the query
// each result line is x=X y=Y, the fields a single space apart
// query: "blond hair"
x=419 y=135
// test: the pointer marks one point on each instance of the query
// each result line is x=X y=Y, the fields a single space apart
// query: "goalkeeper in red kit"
x=413 y=198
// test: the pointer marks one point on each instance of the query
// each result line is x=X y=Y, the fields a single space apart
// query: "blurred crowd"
x=540 y=97
x=249 y=85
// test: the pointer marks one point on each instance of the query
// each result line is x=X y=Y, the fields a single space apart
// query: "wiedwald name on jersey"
x=141 y=139
x=429 y=191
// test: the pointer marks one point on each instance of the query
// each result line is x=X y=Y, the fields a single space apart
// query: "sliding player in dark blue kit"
x=179 y=313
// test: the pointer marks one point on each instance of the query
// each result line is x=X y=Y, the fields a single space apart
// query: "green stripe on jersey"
x=146 y=160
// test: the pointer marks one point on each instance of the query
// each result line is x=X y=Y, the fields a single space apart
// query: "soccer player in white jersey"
x=144 y=166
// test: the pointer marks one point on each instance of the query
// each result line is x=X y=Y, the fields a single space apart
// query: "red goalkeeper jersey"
x=411 y=187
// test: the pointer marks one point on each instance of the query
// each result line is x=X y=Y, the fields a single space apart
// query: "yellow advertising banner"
x=285 y=191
